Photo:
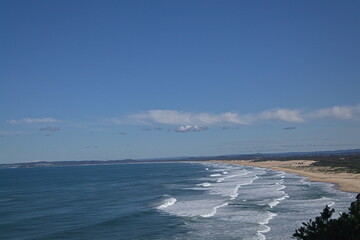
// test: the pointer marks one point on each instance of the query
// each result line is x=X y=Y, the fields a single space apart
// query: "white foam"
x=228 y=185
x=281 y=187
x=229 y=188
x=238 y=175
x=266 y=229
x=225 y=172
x=213 y=211
x=220 y=180
x=195 y=208
x=215 y=175
x=305 y=182
x=235 y=194
x=332 y=203
x=167 y=203
x=241 y=218
x=260 y=236
x=267 y=219
x=205 y=184
x=277 y=201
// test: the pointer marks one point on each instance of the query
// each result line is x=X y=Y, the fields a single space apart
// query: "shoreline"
x=346 y=182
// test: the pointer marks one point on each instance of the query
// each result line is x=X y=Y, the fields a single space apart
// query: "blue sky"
x=141 y=79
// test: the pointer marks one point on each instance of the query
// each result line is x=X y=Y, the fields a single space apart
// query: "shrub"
x=346 y=227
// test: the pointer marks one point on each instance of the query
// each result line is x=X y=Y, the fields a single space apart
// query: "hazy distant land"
x=339 y=161
x=340 y=167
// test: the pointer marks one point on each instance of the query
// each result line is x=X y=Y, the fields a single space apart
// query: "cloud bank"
x=174 y=117
x=200 y=121
x=285 y=115
x=33 y=120
x=338 y=112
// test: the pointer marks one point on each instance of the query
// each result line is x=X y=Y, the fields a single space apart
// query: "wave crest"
x=167 y=203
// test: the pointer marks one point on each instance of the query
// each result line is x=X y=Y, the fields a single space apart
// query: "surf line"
x=213 y=211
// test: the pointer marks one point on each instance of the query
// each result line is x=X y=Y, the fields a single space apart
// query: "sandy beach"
x=347 y=182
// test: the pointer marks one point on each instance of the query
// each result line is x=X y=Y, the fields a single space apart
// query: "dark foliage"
x=346 y=227
x=344 y=163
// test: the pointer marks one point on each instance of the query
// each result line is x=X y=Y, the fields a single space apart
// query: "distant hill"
x=64 y=163
x=340 y=158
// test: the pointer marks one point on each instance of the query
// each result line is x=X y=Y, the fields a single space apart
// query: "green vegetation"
x=346 y=227
x=342 y=162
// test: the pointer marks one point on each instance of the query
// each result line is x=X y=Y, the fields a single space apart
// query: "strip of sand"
x=348 y=182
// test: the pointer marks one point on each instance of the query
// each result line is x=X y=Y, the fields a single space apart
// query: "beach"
x=347 y=182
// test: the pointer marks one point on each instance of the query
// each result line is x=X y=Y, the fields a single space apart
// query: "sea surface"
x=159 y=201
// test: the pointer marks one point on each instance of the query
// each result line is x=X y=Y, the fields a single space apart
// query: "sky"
x=105 y=80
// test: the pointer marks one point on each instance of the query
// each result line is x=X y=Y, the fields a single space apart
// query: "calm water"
x=159 y=201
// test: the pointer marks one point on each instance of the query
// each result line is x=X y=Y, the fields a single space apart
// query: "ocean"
x=159 y=201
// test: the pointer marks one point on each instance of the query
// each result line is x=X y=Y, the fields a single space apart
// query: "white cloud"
x=285 y=115
x=190 y=128
x=173 y=117
x=33 y=120
x=169 y=116
x=338 y=112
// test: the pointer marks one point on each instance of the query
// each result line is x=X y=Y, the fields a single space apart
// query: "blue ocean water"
x=159 y=201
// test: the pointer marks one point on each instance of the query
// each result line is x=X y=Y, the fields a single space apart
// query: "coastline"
x=347 y=182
